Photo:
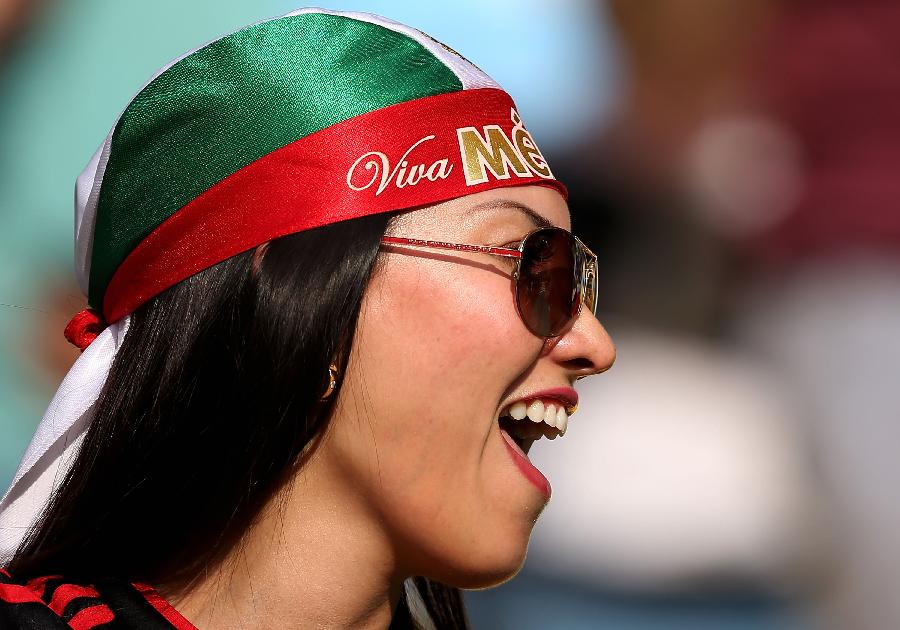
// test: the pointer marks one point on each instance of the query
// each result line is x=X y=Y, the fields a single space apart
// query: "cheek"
x=435 y=355
x=450 y=331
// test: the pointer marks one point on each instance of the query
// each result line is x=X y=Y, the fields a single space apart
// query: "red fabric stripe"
x=165 y=608
x=91 y=617
x=38 y=584
x=63 y=595
x=18 y=594
x=305 y=185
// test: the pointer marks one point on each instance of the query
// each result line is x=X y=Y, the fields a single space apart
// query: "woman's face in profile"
x=439 y=354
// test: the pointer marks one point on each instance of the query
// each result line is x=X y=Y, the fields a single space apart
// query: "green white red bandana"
x=286 y=125
x=293 y=123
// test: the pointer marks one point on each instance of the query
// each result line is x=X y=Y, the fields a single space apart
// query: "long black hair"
x=208 y=407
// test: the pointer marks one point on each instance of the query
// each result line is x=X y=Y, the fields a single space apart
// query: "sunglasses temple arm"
x=460 y=247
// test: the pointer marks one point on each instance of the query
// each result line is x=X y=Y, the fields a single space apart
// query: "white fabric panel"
x=87 y=192
x=57 y=438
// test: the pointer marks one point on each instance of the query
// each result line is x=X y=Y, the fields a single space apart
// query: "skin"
x=412 y=476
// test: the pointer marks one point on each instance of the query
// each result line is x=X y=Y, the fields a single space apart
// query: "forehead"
x=515 y=208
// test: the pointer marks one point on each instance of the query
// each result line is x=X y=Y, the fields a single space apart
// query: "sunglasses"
x=555 y=274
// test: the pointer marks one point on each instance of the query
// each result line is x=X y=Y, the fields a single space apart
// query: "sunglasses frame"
x=585 y=266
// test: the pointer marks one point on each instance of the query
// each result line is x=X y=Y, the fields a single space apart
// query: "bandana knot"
x=84 y=327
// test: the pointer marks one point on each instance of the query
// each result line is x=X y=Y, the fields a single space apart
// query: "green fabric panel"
x=239 y=99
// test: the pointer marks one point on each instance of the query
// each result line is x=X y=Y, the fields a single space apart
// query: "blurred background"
x=735 y=167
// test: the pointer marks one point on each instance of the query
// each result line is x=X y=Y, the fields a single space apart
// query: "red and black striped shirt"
x=54 y=603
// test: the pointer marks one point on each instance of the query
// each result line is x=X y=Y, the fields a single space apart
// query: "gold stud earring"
x=332 y=382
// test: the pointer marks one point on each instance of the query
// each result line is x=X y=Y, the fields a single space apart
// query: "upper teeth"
x=538 y=411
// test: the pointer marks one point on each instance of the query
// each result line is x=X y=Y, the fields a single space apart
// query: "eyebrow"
x=533 y=216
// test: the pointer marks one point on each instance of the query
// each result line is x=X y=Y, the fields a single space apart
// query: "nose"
x=584 y=349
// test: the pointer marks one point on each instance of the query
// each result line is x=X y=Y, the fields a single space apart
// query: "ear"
x=258 y=254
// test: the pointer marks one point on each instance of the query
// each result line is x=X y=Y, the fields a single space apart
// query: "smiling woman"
x=312 y=375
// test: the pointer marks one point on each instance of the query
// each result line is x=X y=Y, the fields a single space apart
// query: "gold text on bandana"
x=404 y=173
x=485 y=153
x=500 y=155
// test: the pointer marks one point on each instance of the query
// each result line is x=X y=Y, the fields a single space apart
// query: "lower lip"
x=531 y=473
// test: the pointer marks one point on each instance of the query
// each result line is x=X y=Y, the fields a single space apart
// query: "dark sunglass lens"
x=546 y=290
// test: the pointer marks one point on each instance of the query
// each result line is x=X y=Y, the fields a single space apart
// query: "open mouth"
x=526 y=421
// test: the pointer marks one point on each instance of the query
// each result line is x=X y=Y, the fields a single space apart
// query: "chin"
x=489 y=578
x=485 y=567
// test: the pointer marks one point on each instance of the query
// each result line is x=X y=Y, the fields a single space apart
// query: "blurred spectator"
x=14 y=16
x=823 y=301
x=747 y=194
x=682 y=477
x=684 y=60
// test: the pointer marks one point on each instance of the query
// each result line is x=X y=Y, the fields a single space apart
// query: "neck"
x=310 y=560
